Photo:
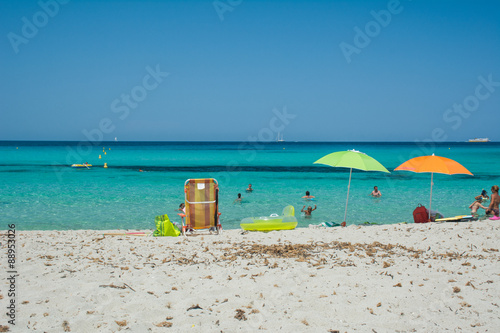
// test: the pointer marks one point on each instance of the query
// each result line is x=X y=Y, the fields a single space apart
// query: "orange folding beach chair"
x=202 y=205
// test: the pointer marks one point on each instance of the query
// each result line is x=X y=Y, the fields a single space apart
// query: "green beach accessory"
x=164 y=227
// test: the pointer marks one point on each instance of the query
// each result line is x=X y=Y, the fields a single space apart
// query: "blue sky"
x=339 y=70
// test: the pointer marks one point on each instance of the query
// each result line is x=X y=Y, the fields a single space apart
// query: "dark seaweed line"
x=223 y=168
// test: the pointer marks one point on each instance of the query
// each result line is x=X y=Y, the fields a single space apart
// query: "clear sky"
x=216 y=70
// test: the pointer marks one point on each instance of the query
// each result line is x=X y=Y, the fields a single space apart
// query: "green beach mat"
x=164 y=227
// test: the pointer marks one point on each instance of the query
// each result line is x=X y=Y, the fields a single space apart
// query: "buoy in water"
x=99 y=156
x=105 y=165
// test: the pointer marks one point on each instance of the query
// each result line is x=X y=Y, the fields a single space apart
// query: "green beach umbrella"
x=351 y=159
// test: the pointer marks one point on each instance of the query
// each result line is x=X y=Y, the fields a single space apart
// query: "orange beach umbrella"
x=433 y=164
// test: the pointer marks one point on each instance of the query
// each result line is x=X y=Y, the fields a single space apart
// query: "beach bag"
x=164 y=227
x=420 y=214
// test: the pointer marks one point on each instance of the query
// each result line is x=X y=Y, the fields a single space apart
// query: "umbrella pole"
x=430 y=203
x=347 y=201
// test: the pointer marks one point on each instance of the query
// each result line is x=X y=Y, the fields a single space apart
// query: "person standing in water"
x=483 y=195
x=308 y=211
x=238 y=199
x=308 y=196
x=376 y=192
x=249 y=189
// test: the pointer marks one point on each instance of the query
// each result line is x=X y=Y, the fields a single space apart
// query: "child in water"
x=308 y=211
x=476 y=205
x=238 y=199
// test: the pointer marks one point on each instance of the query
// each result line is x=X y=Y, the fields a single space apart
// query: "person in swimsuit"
x=308 y=196
x=249 y=189
x=376 y=192
x=308 y=211
x=476 y=205
x=182 y=214
x=182 y=208
x=495 y=201
x=238 y=199
x=484 y=195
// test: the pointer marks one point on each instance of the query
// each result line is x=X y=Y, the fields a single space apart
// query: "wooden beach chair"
x=202 y=201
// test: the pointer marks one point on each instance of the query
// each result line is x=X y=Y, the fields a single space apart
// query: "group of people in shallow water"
x=492 y=209
x=307 y=211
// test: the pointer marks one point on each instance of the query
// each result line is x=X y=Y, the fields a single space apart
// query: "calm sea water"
x=39 y=189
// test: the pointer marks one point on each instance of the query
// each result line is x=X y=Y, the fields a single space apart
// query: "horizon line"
x=240 y=141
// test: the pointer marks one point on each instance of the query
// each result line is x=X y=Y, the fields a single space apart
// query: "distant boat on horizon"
x=279 y=139
x=479 y=140
x=116 y=139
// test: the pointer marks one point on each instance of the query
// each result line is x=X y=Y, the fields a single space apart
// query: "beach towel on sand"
x=164 y=227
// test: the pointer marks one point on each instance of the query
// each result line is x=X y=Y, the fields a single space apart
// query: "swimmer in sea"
x=376 y=192
x=484 y=195
x=238 y=199
x=308 y=211
x=308 y=196
x=249 y=189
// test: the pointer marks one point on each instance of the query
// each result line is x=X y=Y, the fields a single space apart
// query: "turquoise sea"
x=39 y=190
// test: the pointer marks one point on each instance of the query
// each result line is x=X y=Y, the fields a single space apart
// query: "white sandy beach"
x=394 y=278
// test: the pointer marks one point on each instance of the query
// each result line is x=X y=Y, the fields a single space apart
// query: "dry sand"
x=393 y=278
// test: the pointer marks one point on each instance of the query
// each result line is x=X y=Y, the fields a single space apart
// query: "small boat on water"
x=84 y=165
x=479 y=140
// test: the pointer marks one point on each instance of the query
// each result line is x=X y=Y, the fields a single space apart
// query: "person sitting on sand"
x=308 y=196
x=476 y=205
x=238 y=199
x=495 y=201
x=308 y=211
x=376 y=192
x=249 y=189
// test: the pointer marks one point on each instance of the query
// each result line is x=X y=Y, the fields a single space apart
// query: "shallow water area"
x=40 y=190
